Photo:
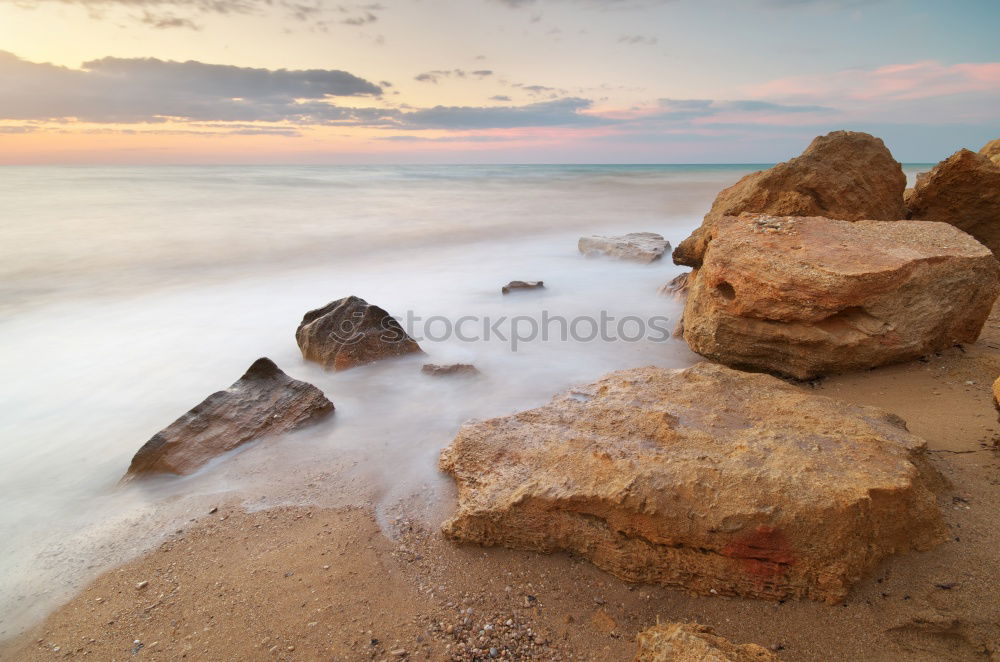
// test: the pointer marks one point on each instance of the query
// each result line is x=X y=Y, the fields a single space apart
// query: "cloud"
x=128 y=90
x=163 y=21
x=438 y=74
x=602 y=4
x=638 y=39
x=148 y=90
x=894 y=82
x=563 y=112
x=500 y=97
x=164 y=13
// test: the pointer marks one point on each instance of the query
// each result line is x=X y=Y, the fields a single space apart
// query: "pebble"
x=141 y=585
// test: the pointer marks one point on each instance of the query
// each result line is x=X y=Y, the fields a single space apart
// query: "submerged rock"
x=677 y=287
x=805 y=297
x=963 y=190
x=710 y=479
x=350 y=332
x=438 y=370
x=264 y=401
x=690 y=642
x=845 y=175
x=636 y=246
x=521 y=285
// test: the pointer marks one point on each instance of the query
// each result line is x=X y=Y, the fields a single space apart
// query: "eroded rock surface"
x=635 y=246
x=710 y=479
x=264 y=401
x=442 y=370
x=991 y=150
x=845 y=175
x=963 y=190
x=806 y=297
x=690 y=642
x=350 y=332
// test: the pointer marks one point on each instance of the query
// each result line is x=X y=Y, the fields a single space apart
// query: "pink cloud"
x=918 y=80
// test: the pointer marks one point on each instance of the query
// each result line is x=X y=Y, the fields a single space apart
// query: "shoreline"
x=922 y=605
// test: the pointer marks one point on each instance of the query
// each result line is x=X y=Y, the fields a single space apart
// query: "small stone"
x=522 y=285
x=141 y=585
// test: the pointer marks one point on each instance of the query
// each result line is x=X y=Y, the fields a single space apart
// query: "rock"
x=264 y=401
x=845 y=175
x=963 y=190
x=991 y=150
x=710 y=479
x=522 y=285
x=805 y=297
x=677 y=287
x=682 y=642
x=450 y=369
x=350 y=332
x=637 y=246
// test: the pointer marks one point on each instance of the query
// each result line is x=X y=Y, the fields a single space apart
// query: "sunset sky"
x=498 y=81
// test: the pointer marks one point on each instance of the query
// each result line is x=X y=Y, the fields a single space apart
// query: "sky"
x=490 y=81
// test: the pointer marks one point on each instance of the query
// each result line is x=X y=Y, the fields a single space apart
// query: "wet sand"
x=298 y=583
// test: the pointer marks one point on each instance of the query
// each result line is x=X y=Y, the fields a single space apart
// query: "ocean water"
x=128 y=294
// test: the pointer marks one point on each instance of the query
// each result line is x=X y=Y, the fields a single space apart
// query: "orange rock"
x=264 y=401
x=710 y=479
x=963 y=190
x=991 y=150
x=844 y=174
x=683 y=642
x=805 y=297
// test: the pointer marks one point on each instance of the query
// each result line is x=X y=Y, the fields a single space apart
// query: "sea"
x=129 y=294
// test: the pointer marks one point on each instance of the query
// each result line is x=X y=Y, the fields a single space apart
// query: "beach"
x=321 y=542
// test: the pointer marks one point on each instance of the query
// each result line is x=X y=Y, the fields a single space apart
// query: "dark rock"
x=264 y=401
x=522 y=285
x=350 y=332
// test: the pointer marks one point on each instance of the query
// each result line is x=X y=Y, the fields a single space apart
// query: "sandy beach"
x=304 y=583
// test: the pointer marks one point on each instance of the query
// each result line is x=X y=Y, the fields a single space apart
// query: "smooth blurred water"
x=131 y=293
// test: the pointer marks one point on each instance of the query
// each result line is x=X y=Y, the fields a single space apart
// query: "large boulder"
x=634 y=246
x=350 y=332
x=963 y=190
x=690 y=642
x=805 y=297
x=264 y=401
x=846 y=175
x=710 y=479
x=991 y=150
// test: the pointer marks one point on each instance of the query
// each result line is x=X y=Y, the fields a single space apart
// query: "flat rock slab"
x=350 y=332
x=264 y=401
x=636 y=246
x=690 y=642
x=439 y=370
x=810 y=296
x=710 y=479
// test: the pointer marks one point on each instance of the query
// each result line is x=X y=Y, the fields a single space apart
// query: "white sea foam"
x=129 y=294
